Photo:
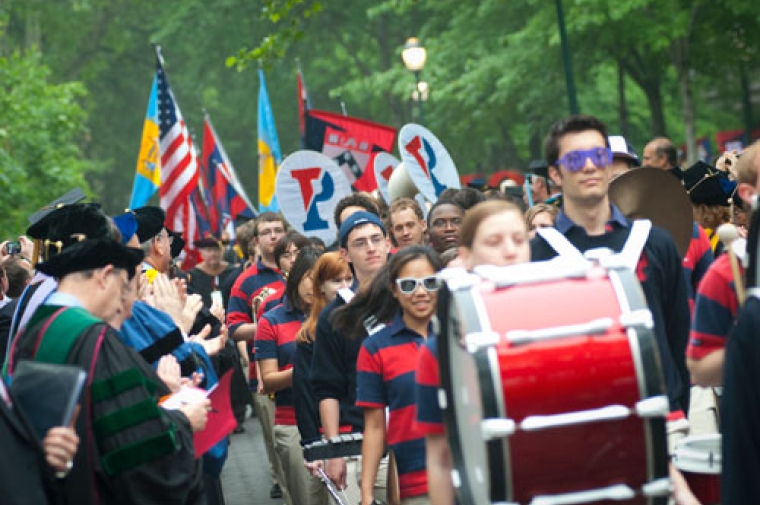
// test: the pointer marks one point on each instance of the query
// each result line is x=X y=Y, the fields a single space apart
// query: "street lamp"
x=414 y=56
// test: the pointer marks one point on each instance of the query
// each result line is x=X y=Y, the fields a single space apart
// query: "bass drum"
x=553 y=389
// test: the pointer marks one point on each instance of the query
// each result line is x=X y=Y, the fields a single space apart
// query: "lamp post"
x=567 y=59
x=414 y=56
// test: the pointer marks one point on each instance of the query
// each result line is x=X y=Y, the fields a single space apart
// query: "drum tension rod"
x=641 y=318
x=477 y=340
x=493 y=428
x=595 y=327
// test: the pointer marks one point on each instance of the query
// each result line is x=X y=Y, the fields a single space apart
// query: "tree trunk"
x=387 y=59
x=509 y=154
x=688 y=114
x=681 y=58
x=654 y=101
x=536 y=146
x=33 y=32
x=640 y=68
x=622 y=105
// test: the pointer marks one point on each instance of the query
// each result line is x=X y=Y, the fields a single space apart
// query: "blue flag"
x=148 y=172
x=269 y=150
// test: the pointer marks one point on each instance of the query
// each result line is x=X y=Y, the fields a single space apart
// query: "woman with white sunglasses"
x=401 y=302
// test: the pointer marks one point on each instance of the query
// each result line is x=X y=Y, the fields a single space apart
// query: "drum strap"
x=559 y=243
x=635 y=243
x=628 y=256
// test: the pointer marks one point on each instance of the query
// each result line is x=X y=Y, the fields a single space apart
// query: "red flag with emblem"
x=351 y=142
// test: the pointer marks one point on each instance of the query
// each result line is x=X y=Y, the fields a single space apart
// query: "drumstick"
x=728 y=234
x=331 y=489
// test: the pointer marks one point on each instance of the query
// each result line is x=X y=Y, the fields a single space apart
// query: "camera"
x=13 y=248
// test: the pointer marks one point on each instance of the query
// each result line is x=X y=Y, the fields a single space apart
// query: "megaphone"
x=400 y=185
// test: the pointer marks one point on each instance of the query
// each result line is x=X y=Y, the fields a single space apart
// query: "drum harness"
x=628 y=257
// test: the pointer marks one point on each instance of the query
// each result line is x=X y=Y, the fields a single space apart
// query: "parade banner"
x=428 y=162
x=351 y=142
x=733 y=140
x=309 y=186
x=385 y=164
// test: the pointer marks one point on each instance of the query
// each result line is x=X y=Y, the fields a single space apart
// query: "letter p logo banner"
x=308 y=187
x=308 y=178
x=427 y=161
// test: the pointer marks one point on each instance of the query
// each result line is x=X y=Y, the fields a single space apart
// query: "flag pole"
x=342 y=105
x=159 y=54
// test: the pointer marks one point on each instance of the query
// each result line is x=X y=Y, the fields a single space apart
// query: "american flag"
x=179 y=166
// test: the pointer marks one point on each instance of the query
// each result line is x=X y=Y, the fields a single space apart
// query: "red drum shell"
x=570 y=374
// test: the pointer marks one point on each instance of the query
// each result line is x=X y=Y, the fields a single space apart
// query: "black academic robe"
x=25 y=477
x=130 y=451
x=6 y=316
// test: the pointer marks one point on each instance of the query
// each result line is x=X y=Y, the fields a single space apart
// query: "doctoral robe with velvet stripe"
x=131 y=450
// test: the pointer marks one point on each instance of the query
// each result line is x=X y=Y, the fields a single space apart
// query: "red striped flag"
x=179 y=167
x=303 y=104
x=225 y=194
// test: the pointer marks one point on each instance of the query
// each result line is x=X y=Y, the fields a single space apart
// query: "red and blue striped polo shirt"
x=246 y=287
x=715 y=310
x=385 y=377
x=428 y=381
x=276 y=339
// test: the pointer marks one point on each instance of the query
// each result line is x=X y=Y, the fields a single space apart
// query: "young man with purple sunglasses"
x=580 y=160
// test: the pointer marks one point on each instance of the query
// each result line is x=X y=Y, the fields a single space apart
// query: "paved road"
x=245 y=478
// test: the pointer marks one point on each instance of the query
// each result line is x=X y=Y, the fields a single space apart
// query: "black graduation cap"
x=539 y=167
x=69 y=224
x=150 y=222
x=707 y=185
x=89 y=254
x=178 y=243
x=73 y=196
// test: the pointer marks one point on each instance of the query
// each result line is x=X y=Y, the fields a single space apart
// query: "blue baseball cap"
x=358 y=219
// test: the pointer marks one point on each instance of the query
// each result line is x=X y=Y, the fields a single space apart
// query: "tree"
x=42 y=135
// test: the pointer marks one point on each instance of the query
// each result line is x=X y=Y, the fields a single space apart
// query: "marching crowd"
x=330 y=342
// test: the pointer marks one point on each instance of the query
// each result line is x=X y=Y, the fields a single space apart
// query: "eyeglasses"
x=362 y=243
x=408 y=285
x=574 y=161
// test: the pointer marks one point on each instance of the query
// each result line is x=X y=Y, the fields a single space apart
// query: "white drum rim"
x=693 y=454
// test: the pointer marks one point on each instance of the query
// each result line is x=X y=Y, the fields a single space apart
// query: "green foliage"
x=289 y=16
x=41 y=136
x=494 y=70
